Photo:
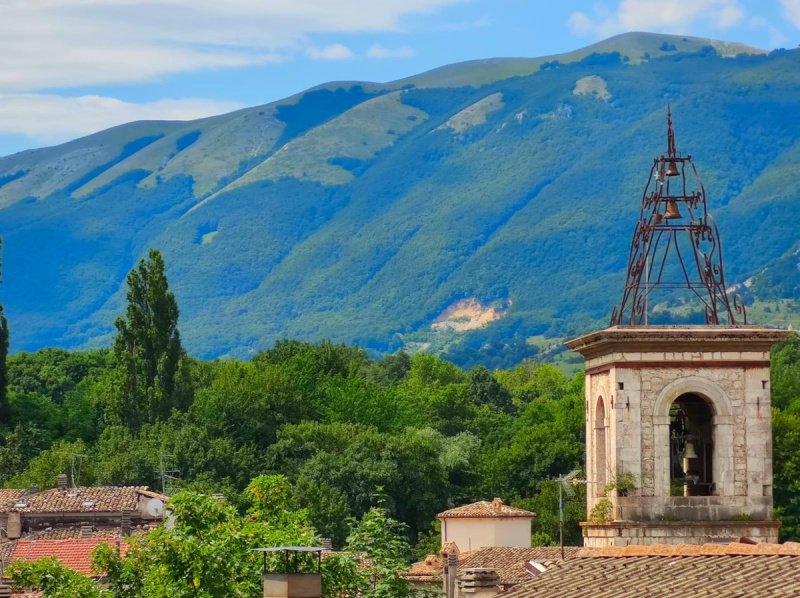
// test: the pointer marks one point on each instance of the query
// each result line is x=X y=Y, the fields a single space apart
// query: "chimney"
x=125 y=523
x=86 y=529
x=449 y=575
x=497 y=504
x=14 y=525
x=478 y=582
x=62 y=481
x=34 y=489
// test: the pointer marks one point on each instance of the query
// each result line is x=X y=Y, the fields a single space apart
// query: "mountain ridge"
x=362 y=212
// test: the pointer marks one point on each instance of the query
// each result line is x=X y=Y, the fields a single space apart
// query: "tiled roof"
x=509 y=562
x=74 y=553
x=723 y=571
x=485 y=508
x=8 y=498
x=6 y=548
x=429 y=570
x=449 y=548
x=64 y=532
x=87 y=499
x=734 y=548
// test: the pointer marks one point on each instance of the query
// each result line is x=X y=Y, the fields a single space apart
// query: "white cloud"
x=777 y=39
x=332 y=52
x=59 y=43
x=791 y=10
x=52 y=119
x=378 y=51
x=669 y=16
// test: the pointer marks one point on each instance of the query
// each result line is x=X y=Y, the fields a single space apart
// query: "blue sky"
x=72 y=67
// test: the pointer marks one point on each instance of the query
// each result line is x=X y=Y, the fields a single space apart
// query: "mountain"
x=482 y=209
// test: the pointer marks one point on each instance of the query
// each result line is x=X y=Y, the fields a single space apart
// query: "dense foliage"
x=305 y=440
x=207 y=552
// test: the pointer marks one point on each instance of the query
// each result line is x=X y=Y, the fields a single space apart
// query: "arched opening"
x=691 y=440
x=600 y=447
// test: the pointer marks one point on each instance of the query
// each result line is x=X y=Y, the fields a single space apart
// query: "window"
x=600 y=446
x=691 y=447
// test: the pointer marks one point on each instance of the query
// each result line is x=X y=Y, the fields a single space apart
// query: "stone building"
x=678 y=421
x=683 y=414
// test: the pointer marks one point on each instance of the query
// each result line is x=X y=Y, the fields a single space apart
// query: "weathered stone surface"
x=647 y=368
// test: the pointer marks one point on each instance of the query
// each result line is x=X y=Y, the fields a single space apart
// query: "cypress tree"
x=5 y=408
x=148 y=345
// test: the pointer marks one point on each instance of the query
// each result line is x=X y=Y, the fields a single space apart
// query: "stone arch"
x=600 y=446
x=708 y=389
x=722 y=426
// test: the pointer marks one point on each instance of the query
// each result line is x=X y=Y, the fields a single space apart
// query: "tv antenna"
x=566 y=484
x=165 y=474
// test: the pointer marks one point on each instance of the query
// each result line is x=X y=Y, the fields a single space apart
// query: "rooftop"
x=720 y=570
x=74 y=553
x=8 y=498
x=485 y=509
x=510 y=563
x=79 y=500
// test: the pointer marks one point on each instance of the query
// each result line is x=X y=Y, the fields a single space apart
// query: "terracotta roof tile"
x=428 y=570
x=720 y=570
x=485 y=508
x=86 y=499
x=64 y=532
x=74 y=553
x=509 y=562
x=6 y=548
x=733 y=548
x=8 y=498
x=450 y=548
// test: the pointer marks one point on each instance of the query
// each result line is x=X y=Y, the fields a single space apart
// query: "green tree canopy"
x=148 y=346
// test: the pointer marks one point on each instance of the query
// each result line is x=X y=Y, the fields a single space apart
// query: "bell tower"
x=678 y=419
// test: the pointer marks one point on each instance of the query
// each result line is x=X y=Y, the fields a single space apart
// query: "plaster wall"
x=470 y=533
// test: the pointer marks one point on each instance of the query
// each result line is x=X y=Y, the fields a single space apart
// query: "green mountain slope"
x=472 y=209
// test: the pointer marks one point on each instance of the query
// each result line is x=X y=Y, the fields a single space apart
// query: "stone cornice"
x=676 y=338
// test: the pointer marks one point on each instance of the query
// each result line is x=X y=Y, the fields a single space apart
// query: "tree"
x=382 y=540
x=54 y=580
x=486 y=390
x=148 y=345
x=5 y=410
x=207 y=551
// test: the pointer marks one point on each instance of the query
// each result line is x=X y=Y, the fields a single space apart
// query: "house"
x=74 y=553
x=486 y=523
x=24 y=512
x=485 y=544
x=725 y=570
x=69 y=523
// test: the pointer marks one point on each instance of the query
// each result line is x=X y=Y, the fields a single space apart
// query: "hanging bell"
x=690 y=453
x=672 y=168
x=672 y=213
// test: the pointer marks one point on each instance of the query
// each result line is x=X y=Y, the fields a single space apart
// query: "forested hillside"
x=416 y=433
x=482 y=210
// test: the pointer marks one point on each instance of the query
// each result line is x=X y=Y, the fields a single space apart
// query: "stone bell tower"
x=678 y=420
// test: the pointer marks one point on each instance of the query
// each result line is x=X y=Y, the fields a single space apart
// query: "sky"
x=72 y=67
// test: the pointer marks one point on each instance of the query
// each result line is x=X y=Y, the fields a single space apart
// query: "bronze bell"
x=672 y=168
x=672 y=213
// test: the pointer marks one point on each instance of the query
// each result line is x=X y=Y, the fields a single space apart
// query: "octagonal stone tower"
x=678 y=419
